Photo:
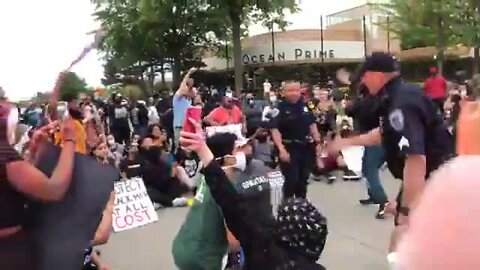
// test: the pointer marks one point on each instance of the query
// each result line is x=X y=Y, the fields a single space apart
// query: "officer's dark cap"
x=378 y=62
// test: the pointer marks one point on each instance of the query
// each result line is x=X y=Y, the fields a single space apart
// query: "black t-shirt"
x=163 y=105
x=132 y=168
x=293 y=121
x=411 y=125
x=254 y=185
x=118 y=116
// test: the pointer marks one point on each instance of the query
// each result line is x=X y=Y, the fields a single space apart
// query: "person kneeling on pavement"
x=299 y=233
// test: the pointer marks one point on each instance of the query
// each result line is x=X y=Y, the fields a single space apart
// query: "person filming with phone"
x=294 y=241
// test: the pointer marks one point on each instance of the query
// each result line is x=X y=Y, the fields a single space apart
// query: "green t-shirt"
x=201 y=242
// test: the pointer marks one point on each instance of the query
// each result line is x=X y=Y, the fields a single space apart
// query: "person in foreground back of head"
x=453 y=244
x=298 y=237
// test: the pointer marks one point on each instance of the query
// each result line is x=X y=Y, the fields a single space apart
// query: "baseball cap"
x=378 y=62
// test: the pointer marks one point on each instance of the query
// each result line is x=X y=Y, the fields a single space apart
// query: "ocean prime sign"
x=300 y=51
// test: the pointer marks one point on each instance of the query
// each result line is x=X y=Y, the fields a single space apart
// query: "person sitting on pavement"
x=332 y=166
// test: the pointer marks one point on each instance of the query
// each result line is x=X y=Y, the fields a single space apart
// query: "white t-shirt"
x=153 y=117
x=266 y=87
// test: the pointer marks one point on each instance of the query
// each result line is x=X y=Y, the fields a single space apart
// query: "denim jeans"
x=373 y=159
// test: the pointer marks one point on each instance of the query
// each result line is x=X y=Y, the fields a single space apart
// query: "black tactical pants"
x=297 y=171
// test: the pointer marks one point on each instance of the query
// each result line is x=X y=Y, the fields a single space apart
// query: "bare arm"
x=277 y=139
x=373 y=137
x=233 y=243
x=183 y=89
x=103 y=231
x=414 y=179
x=31 y=181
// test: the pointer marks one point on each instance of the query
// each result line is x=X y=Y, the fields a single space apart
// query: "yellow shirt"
x=80 y=138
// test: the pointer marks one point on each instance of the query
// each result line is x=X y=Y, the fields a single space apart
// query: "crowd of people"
x=292 y=131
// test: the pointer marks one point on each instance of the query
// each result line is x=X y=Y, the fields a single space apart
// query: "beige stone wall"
x=341 y=32
x=302 y=35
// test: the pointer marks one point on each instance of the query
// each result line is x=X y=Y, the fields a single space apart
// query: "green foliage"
x=239 y=13
x=144 y=35
x=72 y=85
x=417 y=23
x=466 y=21
x=132 y=92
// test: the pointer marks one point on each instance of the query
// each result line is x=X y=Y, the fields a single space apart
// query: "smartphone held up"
x=192 y=113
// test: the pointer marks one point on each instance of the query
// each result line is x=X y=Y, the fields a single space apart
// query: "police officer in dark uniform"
x=291 y=131
x=413 y=134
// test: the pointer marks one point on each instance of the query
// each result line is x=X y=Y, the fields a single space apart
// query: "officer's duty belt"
x=304 y=142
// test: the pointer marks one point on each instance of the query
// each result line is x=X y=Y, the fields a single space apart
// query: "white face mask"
x=273 y=99
x=241 y=163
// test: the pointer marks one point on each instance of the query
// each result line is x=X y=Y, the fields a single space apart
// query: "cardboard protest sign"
x=62 y=230
x=133 y=207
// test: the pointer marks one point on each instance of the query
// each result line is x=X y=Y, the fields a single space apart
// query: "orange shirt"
x=225 y=116
x=80 y=138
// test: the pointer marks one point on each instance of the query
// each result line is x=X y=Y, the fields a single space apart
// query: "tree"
x=422 y=23
x=72 y=85
x=146 y=37
x=466 y=25
x=241 y=12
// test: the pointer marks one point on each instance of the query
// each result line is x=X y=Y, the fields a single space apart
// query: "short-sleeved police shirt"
x=411 y=125
x=293 y=120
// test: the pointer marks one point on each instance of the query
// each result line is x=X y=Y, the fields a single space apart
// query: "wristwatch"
x=404 y=211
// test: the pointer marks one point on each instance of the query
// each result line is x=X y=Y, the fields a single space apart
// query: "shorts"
x=330 y=163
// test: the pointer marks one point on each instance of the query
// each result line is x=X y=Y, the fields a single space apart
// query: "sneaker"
x=331 y=178
x=349 y=175
x=316 y=177
x=381 y=212
x=180 y=202
x=156 y=206
x=368 y=201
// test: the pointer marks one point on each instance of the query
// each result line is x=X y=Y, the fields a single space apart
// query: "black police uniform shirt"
x=411 y=125
x=254 y=185
x=293 y=121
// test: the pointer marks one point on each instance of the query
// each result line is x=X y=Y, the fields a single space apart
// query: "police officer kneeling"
x=415 y=139
x=291 y=130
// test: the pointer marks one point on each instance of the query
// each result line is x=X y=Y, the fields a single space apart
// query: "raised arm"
x=183 y=89
x=234 y=208
x=29 y=180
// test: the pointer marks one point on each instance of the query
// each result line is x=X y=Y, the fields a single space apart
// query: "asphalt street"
x=356 y=239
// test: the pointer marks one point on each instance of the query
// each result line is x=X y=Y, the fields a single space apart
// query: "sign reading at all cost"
x=133 y=207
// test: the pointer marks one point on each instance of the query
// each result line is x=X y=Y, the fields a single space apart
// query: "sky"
x=41 y=38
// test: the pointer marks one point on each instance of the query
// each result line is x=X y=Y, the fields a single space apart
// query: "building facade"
x=346 y=37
